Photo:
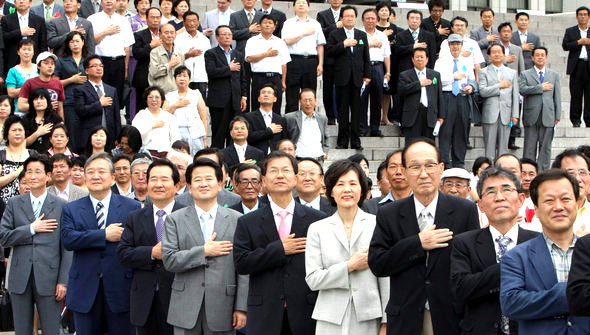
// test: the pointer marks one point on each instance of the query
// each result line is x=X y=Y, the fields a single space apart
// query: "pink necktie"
x=283 y=229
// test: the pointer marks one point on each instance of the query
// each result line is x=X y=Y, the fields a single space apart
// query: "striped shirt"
x=562 y=260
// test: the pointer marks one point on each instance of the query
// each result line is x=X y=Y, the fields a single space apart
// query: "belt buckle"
x=269 y=74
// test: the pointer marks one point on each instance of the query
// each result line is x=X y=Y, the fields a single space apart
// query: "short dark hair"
x=581 y=9
x=358 y=158
x=459 y=18
x=268 y=17
x=414 y=11
x=176 y=3
x=306 y=90
x=380 y=169
x=369 y=10
x=348 y=7
x=487 y=9
x=133 y=137
x=389 y=155
x=569 y=153
x=181 y=145
x=243 y=167
x=208 y=151
x=275 y=155
x=61 y=157
x=21 y=175
x=416 y=141
x=339 y=168
x=79 y=161
x=155 y=88
x=585 y=149
x=529 y=161
x=39 y=92
x=382 y=4
x=22 y=43
x=10 y=102
x=164 y=162
x=541 y=48
x=478 y=162
x=274 y=89
x=222 y=26
x=47 y=164
x=180 y=70
x=147 y=12
x=203 y=162
x=286 y=140
x=295 y=1
x=551 y=174
x=94 y=130
x=435 y=3
x=495 y=44
x=12 y=119
x=188 y=13
x=56 y=127
x=508 y=155
x=497 y=172
x=89 y=58
x=519 y=14
x=119 y=157
x=504 y=25
x=239 y=118
x=419 y=50
x=313 y=160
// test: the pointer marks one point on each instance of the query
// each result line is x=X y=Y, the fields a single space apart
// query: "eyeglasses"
x=96 y=65
x=457 y=185
x=493 y=191
x=245 y=183
x=285 y=171
x=417 y=169
x=580 y=172
x=154 y=97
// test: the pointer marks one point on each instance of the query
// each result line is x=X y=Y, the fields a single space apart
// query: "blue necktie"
x=415 y=35
x=502 y=248
x=541 y=77
x=100 y=215
x=37 y=209
x=455 y=86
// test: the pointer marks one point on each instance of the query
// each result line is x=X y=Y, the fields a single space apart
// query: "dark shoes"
x=357 y=147
x=378 y=133
x=341 y=147
x=513 y=146
x=331 y=121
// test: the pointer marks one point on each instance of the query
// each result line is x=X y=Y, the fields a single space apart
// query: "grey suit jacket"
x=160 y=74
x=225 y=198
x=75 y=193
x=326 y=254
x=294 y=121
x=58 y=29
x=480 y=35
x=39 y=10
x=518 y=64
x=196 y=276
x=211 y=21
x=239 y=25
x=538 y=101
x=528 y=55
x=42 y=253
x=503 y=102
x=87 y=9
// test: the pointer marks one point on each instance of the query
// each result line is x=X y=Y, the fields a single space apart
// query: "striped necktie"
x=37 y=209
x=100 y=217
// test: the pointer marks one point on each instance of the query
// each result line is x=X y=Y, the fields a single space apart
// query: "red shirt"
x=54 y=86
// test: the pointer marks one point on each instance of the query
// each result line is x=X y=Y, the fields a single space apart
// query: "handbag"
x=6 y=317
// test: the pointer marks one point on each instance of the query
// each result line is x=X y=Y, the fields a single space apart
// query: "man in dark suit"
x=266 y=127
x=140 y=249
x=310 y=177
x=421 y=90
x=476 y=254
x=7 y=7
x=329 y=19
x=245 y=23
x=279 y=300
x=525 y=39
x=441 y=28
x=411 y=245
x=578 y=283
x=578 y=67
x=122 y=185
x=89 y=7
x=412 y=38
x=59 y=27
x=534 y=275
x=247 y=183
x=97 y=103
x=144 y=44
x=280 y=17
x=228 y=85
x=12 y=33
x=98 y=289
x=352 y=66
x=239 y=151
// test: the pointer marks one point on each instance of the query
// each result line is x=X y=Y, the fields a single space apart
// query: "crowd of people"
x=114 y=201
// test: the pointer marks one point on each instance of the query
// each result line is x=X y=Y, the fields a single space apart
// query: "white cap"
x=456 y=173
x=44 y=55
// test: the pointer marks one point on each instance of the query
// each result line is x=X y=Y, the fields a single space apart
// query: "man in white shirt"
x=458 y=81
x=525 y=39
x=379 y=53
x=308 y=129
x=113 y=37
x=60 y=176
x=193 y=44
x=305 y=40
x=215 y=18
x=268 y=56
x=470 y=48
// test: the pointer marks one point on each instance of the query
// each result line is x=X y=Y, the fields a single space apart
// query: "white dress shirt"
x=248 y=210
x=23 y=21
x=315 y=203
x=445 y=65
x=167 y=209
x=159 y=139
x=212 y=212
x=512 y=234
x=431 y=209
x=267 y=117
x=378 y=54
x=241 y=151
x=112 y=45
x=423 y=96
x=258 y=44
x=50 y=9
x=65 y=194
x=523 y=37
x=309 y=143
x=276 y=209
x=72 y=22
x=468 y=45
x=308 y=44
x=127 y=193
x=541 y=70
x=183 y=43
x=188 y=116
x=335 y=14
x=34 y=201
x=223 y=17
x=105 y=203
x=583 y=52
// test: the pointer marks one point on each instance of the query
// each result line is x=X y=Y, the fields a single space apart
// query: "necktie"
x=455 y=86
x=250 y=17
x=96 y=6
x=100 y=217
x=336 y=16
x=37 y=209
x=47 y=13
x=350 y=35
x=206 y=226
x=100 y=93
x=541 y=77
x=423 y=96
x=265 y=12
x=160 y=224
x=415 y=35
x=502 y=248
x=424 y=221
x=283 y=229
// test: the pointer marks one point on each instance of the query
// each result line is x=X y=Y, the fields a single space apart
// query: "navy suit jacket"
x=12 y=35
x=275 y=278
x=231 y=155
x=95 y=258
x=530 y=293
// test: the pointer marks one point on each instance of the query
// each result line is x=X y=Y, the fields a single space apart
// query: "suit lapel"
x=442 y=220
x=234 y=154
x=114 y=205
x=194 y=226
x=358 y=226
x=28 y=208
x=297 y=225
x=540 y=260
x=92 y=90
x=48 y=205
x=148 y=216
x=299 y=119
x=221 y=219
x=268 y=223
x=339 y=230
x=409 y=221
x=486 y=252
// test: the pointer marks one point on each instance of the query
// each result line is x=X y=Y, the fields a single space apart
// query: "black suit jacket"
x=396 y=251
x=90 y=111
x=570 y=43
x=578 y=284
x=326 y=20
x=325 y=206
x=115 y=189
x=262 y=201
x=275 y=278
x=475 y=279
x=11 y=34
x=6 y=9
x=135 y=252
x=86 y=9
x=404 y=47
x=225 y=85
x=261 y=136
x=141 y=52
x=280 y=17
x=348 y=65
x=409 y=88
x=230 y=155
x=428 y=25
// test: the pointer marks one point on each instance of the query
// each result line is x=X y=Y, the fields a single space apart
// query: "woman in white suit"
x=351 y=299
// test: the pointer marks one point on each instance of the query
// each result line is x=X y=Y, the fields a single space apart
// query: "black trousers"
x=453 y=132
x=114 y=75
x=220 y=120
x=140 y=102
x=349 y=115
x=328 y=91
x=259 y=80
x=286 y=328
x=156 y=322
x=580 y=89
x=420 y=128
x=374 y=92
x=301 y=73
